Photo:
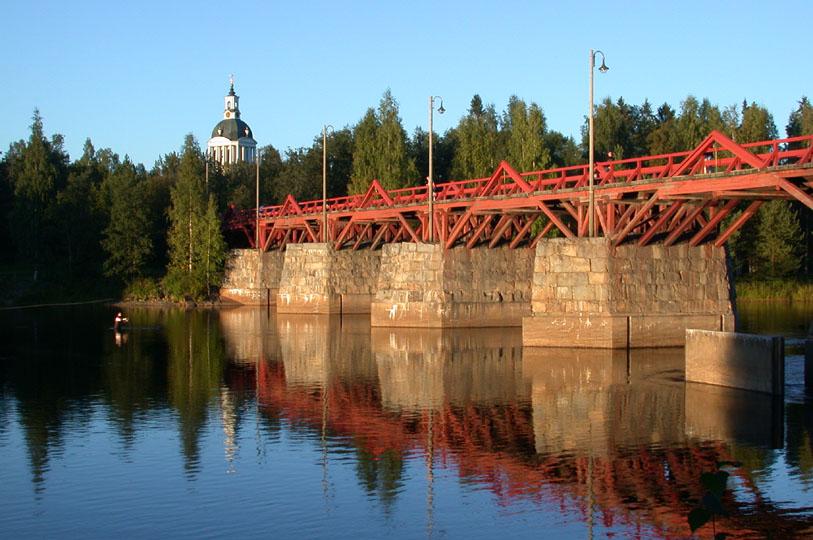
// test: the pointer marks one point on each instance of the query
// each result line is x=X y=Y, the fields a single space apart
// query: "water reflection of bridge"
x=614 y=435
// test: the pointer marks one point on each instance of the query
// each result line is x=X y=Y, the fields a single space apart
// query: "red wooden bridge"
x=684 y=196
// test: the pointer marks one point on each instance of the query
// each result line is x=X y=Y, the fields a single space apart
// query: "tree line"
x=158 y=231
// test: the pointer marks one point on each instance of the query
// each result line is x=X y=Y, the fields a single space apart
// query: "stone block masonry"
x=423 y=285
x=251 y=278
x=586 y=293
x=317 y=279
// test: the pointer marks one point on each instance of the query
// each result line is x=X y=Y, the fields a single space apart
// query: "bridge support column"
x=317 y=279
x=424 y=285
x=588 y=294
x=252 y=277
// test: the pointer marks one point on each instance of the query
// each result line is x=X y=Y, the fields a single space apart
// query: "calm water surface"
x=246 y=424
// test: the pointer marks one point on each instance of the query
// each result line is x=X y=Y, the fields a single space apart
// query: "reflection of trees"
x=134 y=377
x=800 y=438
x=54 y=372
x=195 y=363
x=380 y=474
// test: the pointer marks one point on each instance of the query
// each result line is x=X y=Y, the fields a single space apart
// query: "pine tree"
x=476 y=142
x=800 y=121
x=779 y=246
x=614 y=131
x=196 y=246
x=381 y=149
x=663 y=139
x=394 y=167
x=524 y=136
x=126 y=238
x=212 y=246
x=757 y=125
x=37 y=171
x=364 y=153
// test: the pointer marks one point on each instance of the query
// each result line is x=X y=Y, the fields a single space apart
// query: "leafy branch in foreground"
x=711 y=505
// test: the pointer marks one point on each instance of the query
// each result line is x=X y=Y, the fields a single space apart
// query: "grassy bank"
x=796 y=290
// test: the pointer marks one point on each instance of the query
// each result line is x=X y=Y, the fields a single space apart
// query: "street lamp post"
x=430 y=179
x=325 y=128
x=592 y=201
x=257 y=206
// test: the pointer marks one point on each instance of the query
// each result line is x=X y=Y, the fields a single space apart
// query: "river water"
x=243 y=423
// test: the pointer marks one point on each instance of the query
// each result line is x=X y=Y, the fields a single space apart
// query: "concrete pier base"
x=425 y=286
x=744 y=361
x=586 y=293
x=615 y=331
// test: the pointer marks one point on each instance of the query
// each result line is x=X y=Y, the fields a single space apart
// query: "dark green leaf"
x=698 y=517
x=712 y=503
x=715 y=482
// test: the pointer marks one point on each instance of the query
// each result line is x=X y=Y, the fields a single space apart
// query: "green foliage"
x=563 y=151
x=613 y=130
x=442 y=154
x=711 y=504
x=757 y=125
x=476 y=139
x=524 y=135
x=36 y=170
x=364 y=153
x=663 y=137
x=380 y=149
x=142 y=289
x=101 y=214
x=793 y=289
x=196 y=245
x=800 y=121
x=126 y=241
x=779 y=241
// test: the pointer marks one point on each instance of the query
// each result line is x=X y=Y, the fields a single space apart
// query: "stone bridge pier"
x=587 y=293
x=566 y=293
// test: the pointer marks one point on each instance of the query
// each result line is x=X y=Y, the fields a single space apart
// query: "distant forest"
x=102 y=223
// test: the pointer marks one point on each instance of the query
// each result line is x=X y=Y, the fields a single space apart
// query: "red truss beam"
x=683 y=193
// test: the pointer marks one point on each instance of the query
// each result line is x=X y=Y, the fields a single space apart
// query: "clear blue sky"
x=137 y=76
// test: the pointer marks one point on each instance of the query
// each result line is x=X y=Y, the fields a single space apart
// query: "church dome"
x=233 y=129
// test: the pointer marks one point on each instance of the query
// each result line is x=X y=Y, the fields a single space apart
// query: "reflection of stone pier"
x=249 y=334
x=582 y=401
x=319 y=349
x=597 y=400
x=423 y=369
x=717 y=413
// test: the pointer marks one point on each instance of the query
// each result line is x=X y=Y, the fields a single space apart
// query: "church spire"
x=232 y=108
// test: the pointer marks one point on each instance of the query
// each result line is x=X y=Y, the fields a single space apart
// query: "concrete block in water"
x=743 y=361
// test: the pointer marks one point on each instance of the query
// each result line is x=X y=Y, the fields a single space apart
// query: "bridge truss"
x=683 y=196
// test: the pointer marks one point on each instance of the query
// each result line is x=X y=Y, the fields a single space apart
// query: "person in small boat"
x=119 y=322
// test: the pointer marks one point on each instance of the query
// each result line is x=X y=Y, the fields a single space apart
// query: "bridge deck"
x=666 y=198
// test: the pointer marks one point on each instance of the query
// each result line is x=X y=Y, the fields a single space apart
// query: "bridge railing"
x=716 y=154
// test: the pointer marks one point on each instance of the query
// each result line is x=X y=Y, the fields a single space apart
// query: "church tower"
x=232 y=140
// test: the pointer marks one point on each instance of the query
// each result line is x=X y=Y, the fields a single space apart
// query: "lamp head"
x=441 y=110
x=603 y=67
